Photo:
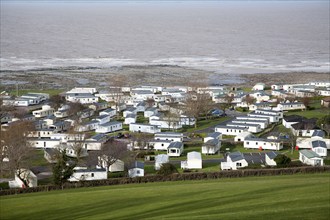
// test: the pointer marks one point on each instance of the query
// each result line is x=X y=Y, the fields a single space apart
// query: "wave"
x=223 y=65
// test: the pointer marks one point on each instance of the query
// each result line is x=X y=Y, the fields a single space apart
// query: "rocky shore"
x=162 y=75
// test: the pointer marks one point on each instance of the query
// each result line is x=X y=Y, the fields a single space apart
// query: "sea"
x=220 y=36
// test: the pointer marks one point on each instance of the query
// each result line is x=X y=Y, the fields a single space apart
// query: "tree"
x=56 y=101
x=249 y=99
x=63 y=168
x=76 y=141
x=306 y=101
x=197 y=104
x=279 y=100
x=324 y=123
x=172 y=119
x=111 y=152
x=116 y=83
x=282 y=160
x=292 y=140
x=74 y=111
x=150 y=102
x=141 y=140
x=16 y=149
x=167 y=169
x=228 y=102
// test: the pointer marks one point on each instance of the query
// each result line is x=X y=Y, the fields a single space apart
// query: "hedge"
x=172 y=177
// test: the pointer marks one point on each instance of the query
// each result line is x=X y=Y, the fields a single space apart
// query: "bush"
x=172 y=177
x=116 y=174
x=282 y=160
x=167 y=169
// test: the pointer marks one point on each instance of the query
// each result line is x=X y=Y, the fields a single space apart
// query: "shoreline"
x=162 y=75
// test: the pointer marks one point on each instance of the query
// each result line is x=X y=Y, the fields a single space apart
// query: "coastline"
x=162 y=75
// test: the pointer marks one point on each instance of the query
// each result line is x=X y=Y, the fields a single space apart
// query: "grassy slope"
x=278 y=197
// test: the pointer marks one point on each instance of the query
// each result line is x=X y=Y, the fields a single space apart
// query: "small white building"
x=160 y=144
x=241 y=136
x=175 y=149
x=271 y=118
x=45 y=110
x=233 y=161
x=103 y=119
x=172 y=136
x=277 y=87
x=88 y=126
x=42 y=133
x=262 y=143
x=111 y=112
x=269 y=158
x=129 y=111
x=117 y=166
x=44 y=143
x=261 y=105
x=145 y=128
x=136 y=169
x=98 y=106
x=309 y=157
x=253 y=128
x=60 y=126
x=263 y=124
x=150 y=111
x=194 y=161
x=212 y=143
x=319 y=147
x=109 y=127
x=258 y=87
x=229 y=130
x=130 y=119
x=61 y=113
x=167 y=123
x=83 y=98
x=85 y=174
x=291 y=106
x=160 y=159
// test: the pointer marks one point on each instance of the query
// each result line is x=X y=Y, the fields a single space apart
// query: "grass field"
x=51 y=92
x=316 y=113
x=301 y=196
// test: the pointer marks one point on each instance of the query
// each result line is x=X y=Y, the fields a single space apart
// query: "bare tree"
x=74 y=109
x=228 y=102
x=172 y=119
x=117 y=82
x=197 y=105
x=141 y=140
x=77 y=143
x=324 y=123
x=306 y=101
x=150 y=102
x=56 y=101
x=15 y=148
x=111 y=152
x=249 y=99
x=279 y=100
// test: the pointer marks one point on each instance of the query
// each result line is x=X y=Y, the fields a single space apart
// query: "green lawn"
x=301 y=196
x=38 y=159
x=316 y=113
x=51 y=92
x=203 y=124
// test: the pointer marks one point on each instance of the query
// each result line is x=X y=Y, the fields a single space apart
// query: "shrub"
x=167 y=169
x=282 y=160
